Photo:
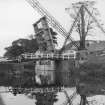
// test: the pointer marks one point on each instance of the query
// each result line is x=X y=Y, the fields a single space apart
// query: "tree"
x=21 y=46
x=85 y=24
x=13 y=51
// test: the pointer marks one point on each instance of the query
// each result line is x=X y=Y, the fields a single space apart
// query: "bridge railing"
x=49 y=56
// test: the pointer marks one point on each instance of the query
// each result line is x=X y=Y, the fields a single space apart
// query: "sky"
x=17 y=18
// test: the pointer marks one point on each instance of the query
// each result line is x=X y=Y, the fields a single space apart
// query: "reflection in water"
x=45 y=98
x=50 y=98
x=31 y=98
x=10 y=99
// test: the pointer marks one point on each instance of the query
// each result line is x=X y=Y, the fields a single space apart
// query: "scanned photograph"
x=52 y=52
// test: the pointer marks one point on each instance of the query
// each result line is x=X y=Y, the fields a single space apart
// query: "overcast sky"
x=17 y=17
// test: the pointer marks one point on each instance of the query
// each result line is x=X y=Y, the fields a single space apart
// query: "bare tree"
x=85 y=23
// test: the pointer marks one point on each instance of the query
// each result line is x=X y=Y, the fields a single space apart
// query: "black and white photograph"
x=52 y=52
